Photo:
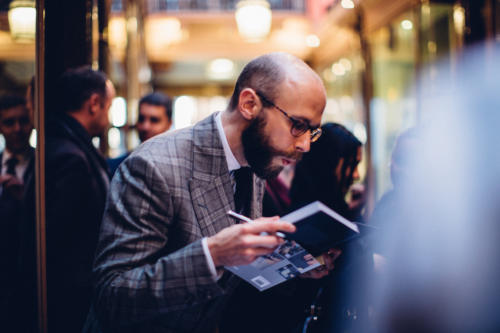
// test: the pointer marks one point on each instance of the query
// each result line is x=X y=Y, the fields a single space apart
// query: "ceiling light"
x=185 y=111
x=406 y=24
x=220 y=69
x=114 y=138
x=117 y=32
x=459 y=18
x=346 y=64
x=347 y=4
x=253 y=18
x=22 y=20
x=338 y=69
x=162 y=32
x=312 y=40
x=118 y=112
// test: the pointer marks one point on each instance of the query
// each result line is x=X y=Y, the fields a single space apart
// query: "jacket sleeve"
x=138 y=274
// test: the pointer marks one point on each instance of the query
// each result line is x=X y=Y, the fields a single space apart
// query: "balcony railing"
x=155 y=6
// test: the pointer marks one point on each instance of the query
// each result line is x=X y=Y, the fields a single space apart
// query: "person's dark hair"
x=158 y=99
x=76 y=86
x=262 y=74
x=11 y=101
x=315 y=177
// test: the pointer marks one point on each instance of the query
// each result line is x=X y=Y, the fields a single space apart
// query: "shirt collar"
x=232 y=163
x=6 y=155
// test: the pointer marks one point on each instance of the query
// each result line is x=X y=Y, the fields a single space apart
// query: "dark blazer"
x=12 y=216
x=77 y=183
x=150 y=269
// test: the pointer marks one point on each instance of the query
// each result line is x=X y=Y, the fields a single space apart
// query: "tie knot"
x=11 y=165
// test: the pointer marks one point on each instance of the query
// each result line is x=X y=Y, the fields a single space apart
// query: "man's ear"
x=249 y=104
x=94 y=103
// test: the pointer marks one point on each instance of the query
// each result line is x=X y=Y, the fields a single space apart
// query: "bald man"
x=166 y=237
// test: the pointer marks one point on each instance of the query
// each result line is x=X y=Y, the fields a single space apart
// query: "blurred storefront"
x=375 y=57
x=198 y=60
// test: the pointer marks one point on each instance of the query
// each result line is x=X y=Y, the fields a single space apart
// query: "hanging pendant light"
x=253 y=18
x=22 y=20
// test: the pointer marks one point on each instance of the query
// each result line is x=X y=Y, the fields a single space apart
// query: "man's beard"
x=259 y=153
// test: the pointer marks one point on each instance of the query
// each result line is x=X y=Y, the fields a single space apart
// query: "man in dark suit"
x=77 y=182
x=155 y=117
x=166 y=235
x=16 y=165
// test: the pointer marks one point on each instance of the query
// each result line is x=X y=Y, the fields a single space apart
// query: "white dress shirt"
x=232 y=164
x=22 y=164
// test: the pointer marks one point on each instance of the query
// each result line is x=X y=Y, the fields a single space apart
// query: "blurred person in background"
x=16 y=164
x=76 y=185
x=155 y=117
x=328 y=171
x=327 y=174
x=442 y=244
x=400 y=169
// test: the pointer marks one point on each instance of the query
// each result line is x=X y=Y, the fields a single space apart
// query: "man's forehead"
x=152 y=111
x=15 y=111
x=305 y=102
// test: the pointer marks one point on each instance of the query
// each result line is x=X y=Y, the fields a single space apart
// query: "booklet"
x=286 y=262
x=319 y=229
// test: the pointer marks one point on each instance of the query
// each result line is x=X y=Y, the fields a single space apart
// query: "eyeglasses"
x=299 y=127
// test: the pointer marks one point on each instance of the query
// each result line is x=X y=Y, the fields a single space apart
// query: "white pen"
x=248 y=220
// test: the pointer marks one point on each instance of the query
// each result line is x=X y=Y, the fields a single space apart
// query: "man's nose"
x=17 y=126
x=303 y=142
x=145 y=125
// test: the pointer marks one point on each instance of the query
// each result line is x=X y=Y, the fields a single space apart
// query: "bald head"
x=268 y=73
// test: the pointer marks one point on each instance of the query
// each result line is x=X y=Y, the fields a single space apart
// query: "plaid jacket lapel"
x=210 y=186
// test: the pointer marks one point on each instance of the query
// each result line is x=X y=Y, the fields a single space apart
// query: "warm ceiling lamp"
x=253 y=18
x=22 y=20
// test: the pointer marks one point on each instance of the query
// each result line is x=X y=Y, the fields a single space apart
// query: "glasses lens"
x=299 y=128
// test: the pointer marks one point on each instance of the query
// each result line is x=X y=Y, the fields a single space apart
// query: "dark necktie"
x=243 y=193
x=11 y=166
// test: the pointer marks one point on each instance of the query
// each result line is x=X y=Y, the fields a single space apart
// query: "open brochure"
x=319 y=228
x=286 y=262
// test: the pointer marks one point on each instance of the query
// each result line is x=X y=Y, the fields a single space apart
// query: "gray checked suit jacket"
x=150 y=269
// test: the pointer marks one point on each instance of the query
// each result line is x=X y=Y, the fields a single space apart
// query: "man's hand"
x=323 y=270
x=12 y=185
x=241 y=244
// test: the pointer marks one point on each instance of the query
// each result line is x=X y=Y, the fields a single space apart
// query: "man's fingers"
x=267 y=219
x=317 y=273
x=260 y=251
x=266 y=241
x=269 y=227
